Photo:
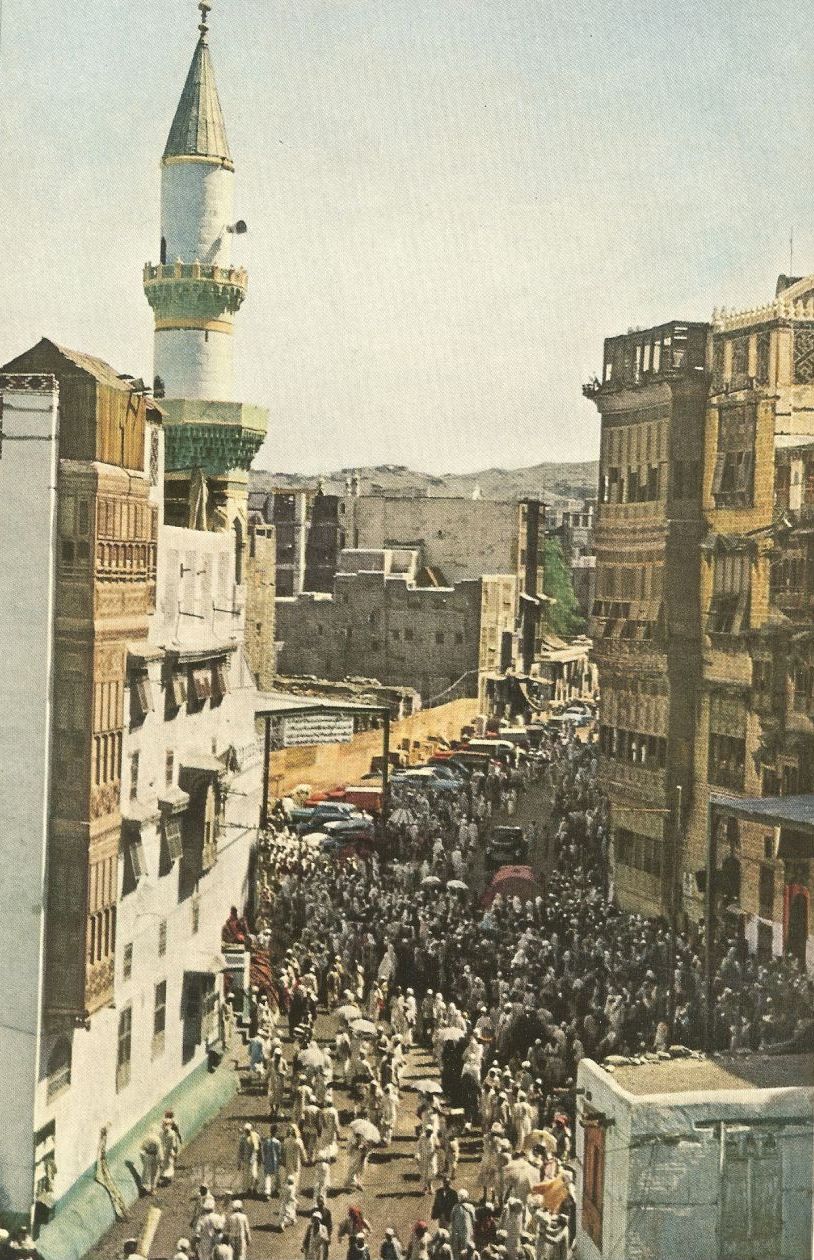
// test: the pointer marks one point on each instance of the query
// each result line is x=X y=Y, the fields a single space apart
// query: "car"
x=443 y=771
x=505 y=846
x=325 y=812
x=358 y=825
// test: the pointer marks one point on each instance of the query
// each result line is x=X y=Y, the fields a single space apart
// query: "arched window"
x=238 y=532
x=163 y=249
x=59 y=1066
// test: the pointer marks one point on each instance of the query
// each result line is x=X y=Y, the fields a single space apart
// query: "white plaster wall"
x=92 y=1100
x=662 y=1167
x=197 y=206
x=27 y=514
x=464 y=537
x=195 y=363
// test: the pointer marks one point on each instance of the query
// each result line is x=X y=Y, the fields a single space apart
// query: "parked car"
x=358 y=824
x=320 y=815
x=505 y=846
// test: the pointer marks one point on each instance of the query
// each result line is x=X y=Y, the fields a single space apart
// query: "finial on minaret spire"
x=205 y=8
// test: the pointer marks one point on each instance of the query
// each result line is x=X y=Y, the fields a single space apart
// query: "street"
x=391 y=1195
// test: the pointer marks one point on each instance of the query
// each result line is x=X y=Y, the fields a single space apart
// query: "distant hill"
x=551 y=482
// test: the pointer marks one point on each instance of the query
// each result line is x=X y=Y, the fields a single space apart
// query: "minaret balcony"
x=178 y=292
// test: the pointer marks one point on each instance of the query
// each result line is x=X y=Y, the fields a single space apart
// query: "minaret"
x=195 y=292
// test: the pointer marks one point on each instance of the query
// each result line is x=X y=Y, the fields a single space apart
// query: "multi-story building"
x=131 y=708
x=754 y=731
x=387 y=619
x=309 y=533
x=646 y=623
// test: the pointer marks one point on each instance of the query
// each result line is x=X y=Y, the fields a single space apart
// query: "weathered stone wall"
x=329 y=765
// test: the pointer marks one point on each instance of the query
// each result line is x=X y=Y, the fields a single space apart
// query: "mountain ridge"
x=552 y=482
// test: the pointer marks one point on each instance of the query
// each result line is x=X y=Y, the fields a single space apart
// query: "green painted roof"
x=198 y=129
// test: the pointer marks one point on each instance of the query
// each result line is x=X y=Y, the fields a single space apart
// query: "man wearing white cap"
x=182 y=1249
x=237 y=1231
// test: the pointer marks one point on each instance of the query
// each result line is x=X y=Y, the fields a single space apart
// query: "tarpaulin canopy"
x=512 y=881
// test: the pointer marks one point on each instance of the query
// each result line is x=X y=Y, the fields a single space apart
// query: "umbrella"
x=427 y=1087
x=349 y=1012
x=431 y=881
x=363 y=1028
x=311 y=1056
x=450 y=1034
x=402 y=817
x=365 y=1130
x=457 y=885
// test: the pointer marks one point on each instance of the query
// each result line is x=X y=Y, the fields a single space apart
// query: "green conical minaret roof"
x=198 y=129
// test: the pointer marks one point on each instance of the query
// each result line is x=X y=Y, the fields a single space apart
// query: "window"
x=640 y=853
x=220 y=680
x=593 y=1185
x=162 y=253
x=169 y=767
x=408 y=636
x=135 y=854
x=127 y=961
x=727 y=761
x=200 y=684
x=124 y=1048
x=134 y=764
x=459 y=638
x=59 y=1067
x=177 y=689
x=196 y=913
x=162 y=938
x=173 y=837
x=142 y=694
x=439 y=637
x=730 y=593
x=238 y=544
x=395 y=635
x=159 y=1018
x=733 y=479
x=766 y=890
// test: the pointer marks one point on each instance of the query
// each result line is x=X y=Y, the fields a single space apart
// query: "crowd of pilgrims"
x=508 y=999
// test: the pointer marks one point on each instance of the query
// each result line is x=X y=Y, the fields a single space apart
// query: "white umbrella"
x=365 y=1130
x=457 y=885
x=450 y=1034
x=348 y=1012
x=431 y=881
x=427 y=1087
x=311 y=1056
x=363 y=1028
x=402 y=817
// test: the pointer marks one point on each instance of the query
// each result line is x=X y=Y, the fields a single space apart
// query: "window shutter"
x=173 y=837
x=718 y=476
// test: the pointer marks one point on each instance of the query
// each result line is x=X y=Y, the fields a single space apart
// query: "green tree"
x=563 y=617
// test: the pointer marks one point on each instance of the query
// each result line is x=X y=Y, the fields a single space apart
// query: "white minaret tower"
x=210 y=437
x=194 y=291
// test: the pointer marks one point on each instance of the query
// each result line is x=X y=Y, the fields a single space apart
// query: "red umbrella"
x=512 y=881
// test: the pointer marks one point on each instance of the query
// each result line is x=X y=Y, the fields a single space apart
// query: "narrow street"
x=391 y=1195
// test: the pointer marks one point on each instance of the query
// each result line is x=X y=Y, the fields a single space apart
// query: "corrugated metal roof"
x=775 y=811
x=198 y=129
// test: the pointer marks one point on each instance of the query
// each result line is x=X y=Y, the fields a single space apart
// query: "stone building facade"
x=646 y=627
x=383 y=622
x=754 y=731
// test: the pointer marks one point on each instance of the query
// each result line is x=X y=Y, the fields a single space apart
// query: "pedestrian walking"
x=237 y=1231
x=248 y=1158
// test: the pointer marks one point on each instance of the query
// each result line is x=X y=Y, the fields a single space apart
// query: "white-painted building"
x=696 y=1159
x=28 y=458
x=190 y=792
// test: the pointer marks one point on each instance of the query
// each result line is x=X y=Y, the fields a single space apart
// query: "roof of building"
x=97 y=368
x=723 y=1072
x=198 y=129
x=774 y=811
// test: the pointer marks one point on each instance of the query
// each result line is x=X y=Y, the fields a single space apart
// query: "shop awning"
x=795 y=812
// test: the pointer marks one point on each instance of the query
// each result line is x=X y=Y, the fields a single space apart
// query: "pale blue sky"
x=450 y=202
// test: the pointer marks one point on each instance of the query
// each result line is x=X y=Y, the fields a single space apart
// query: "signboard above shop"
x=311 y=728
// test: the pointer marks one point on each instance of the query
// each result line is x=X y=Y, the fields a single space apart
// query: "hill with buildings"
x=552 y=482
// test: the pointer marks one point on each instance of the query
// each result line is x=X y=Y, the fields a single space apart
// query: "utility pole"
x=709 y=925
x=264 y=807
x=385 y=781
x=675 y=875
